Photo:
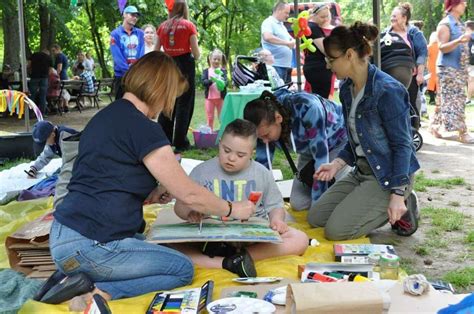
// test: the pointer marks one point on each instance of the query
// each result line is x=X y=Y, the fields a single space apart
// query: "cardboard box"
x=28 y=248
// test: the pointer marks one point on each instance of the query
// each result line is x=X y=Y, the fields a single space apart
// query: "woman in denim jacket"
x=376 y=111
x=452 y=69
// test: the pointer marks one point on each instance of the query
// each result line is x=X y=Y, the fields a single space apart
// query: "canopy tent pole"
x=297 y=52
x=376 y=22
x=21 y=24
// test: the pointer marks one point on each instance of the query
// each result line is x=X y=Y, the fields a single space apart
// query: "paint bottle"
x=357 y=278
x=389 y=265
x=320 y=278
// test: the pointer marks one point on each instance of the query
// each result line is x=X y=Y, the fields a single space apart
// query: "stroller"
x=243 y=74
x=415 y=126
x=395 y=53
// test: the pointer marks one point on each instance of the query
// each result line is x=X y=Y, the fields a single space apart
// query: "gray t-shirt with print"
x=237 y=186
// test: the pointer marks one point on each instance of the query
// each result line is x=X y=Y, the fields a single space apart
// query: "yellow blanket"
x=15 y=214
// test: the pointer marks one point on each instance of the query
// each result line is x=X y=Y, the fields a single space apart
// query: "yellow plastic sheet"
x=15 y=214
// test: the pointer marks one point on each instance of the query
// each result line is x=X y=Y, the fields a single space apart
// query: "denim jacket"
x=383 y=126
x=451 y=59
x=418 y=42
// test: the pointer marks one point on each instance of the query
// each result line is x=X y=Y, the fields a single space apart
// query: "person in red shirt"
x=178 y=37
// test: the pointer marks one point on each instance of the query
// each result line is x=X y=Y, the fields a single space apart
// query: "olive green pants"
x=353 y=207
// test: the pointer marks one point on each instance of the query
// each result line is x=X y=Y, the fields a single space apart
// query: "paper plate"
x=254 y=280
x=240 y=305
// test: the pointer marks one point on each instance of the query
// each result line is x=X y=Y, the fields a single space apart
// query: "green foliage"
x=461 y=278
x=422 y=182
x=12 y=163
x=444 y=218
x=470 y=237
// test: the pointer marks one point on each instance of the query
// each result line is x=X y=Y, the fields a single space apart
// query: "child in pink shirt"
x=214 y=80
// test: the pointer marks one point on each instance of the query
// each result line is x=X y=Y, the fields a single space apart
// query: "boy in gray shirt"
x=233 y=175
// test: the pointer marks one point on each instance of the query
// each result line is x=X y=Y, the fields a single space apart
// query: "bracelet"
x=230 y=209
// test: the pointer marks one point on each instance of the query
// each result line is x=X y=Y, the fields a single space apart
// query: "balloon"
x=169 y=4
x=301 y=29
x=220 y=84
x=121 y=5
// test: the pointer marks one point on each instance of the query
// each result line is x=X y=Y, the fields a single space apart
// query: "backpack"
x=394 y=51
x=243 y=74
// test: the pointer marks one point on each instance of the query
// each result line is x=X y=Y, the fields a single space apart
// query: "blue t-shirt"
x=61 y=58
x=109 y=181
x=281 y=53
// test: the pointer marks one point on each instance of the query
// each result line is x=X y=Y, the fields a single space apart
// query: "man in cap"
x=127 y=45
x=46 y=139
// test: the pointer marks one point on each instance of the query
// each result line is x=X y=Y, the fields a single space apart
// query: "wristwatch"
x=398 y=192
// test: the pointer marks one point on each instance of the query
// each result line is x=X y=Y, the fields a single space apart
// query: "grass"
x=11 y=163
x=422 y=182
x=470 y=238
x=462 y=277
x=444 y=218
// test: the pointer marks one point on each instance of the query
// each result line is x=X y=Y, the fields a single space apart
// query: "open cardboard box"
x=28 y=248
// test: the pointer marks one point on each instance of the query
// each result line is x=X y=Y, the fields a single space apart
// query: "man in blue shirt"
x=127 y=45
x=60 y=62
x=278 y=41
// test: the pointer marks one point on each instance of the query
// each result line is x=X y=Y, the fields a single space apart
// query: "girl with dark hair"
x=376 y=112
x=313 y=125
x=178 y=37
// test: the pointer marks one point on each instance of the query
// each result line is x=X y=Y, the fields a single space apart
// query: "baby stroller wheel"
x=417 y=140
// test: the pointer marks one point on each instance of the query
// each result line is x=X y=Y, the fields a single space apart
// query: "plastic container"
x=389 y=265
x=205 y=140
x=374 y=259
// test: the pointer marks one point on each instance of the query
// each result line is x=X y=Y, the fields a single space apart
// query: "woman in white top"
x=150 y=37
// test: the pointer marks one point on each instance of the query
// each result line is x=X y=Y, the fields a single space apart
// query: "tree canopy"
x=230 y=25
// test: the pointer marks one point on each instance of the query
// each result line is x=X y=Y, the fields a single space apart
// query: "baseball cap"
x=41 y=131
x=131 y=9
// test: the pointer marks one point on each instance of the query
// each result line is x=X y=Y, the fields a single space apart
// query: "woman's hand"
x=279 y=225
x=419 y=78
x=242 y=210
x=396 y=208
x=465 y=38
x=326 y=172
x=195 y=216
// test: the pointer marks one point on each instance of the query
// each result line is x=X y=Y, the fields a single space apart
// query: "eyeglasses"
x=330 y=60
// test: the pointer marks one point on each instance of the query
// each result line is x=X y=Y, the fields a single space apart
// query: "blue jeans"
x=122 y=268
x=285 y=73
x=39 y=88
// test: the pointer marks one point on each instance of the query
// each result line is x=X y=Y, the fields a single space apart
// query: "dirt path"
x=440 y=159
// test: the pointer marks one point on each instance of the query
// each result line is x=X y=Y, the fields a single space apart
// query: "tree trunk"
x=44 y=19
x=11 y=35
x=98 y=45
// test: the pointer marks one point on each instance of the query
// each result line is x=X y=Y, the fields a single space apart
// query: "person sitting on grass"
x=46 y=139
x=233 y=175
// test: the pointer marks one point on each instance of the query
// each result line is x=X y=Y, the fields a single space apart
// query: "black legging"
x=184 y=106
x=413 y=93
x=319 y=77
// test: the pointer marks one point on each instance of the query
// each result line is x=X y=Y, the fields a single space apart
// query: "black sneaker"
x=223 y=249
x=408 y=224
x=240 y=264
